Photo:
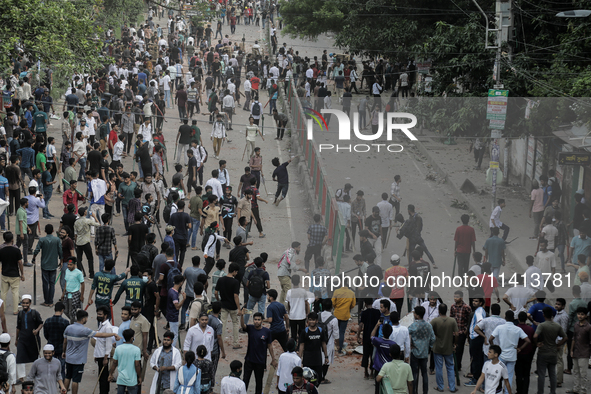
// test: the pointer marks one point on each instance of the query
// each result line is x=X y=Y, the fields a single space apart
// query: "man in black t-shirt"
x=259 y=340
x=282 y=177
x=137 y=236
x=150 y=305
x=227 y=290
x=181 y=222
x=312 y=345
x=95 y=158
x=183 y=139
x=191 y=172
x=11 y=259
x=419 y=267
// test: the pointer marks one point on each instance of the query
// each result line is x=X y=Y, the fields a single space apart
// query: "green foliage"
x=56 y=32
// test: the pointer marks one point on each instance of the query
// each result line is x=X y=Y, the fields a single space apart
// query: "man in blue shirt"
x=27 y=154
x=494 y=251
x=76 y=338
x=29 y=116
x=535 y=313
x=278 y=318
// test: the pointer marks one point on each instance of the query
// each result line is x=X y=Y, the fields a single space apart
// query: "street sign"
x=574 y=159
x=496 y=134
x=493 y=164
x=496 y=108
x=501 y=86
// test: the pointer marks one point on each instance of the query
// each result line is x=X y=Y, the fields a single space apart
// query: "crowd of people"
x=125 y=105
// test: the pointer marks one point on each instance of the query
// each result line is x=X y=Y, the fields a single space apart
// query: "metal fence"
x=325 y=196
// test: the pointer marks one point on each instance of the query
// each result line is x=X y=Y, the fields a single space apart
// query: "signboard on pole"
x=574 y=158
x=496 y=109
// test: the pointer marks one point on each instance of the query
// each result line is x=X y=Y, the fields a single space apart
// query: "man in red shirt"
x=113 y=138
x=489 y=285
x=465 y=239
x=254 y=84
x=232 y=24
x=397 y=285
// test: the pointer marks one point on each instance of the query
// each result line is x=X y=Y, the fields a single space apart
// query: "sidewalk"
x=456 y=164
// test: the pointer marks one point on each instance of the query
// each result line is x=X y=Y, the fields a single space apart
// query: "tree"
x=54 y=32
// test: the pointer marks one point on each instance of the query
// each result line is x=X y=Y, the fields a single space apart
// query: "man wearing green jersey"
x=103 y=283
x=133 y=287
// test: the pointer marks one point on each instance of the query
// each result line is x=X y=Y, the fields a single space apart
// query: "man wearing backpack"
x=256 y=109
x=257 y=283
x=7 y=360
x=328 y=321
x=208 y=245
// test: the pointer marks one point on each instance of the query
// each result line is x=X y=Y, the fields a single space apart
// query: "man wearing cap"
x=28 y=325
x=45 y=372
x=10 y=359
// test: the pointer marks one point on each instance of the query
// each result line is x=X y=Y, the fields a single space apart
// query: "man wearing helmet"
x=300 y=382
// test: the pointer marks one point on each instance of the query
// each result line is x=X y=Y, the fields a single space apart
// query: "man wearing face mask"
x=29 y=323
x=103 y=283
x=166 y=360
x=151 y=305
x=103 y=347
x=233 y=384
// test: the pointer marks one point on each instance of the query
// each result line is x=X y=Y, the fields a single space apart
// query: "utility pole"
x=503 y=29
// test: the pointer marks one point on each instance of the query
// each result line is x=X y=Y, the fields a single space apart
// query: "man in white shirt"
x=233 y=384
x=376 y=89
x=274 y=71
x=118 y=152
x=200 y=334
x=495 y=219
x=387 y=216
x=519 y=297
x=10 y=360
x=146 y=130
x=228 y=106
x=545 y=259
x=309 y=72
x=247 y=89
x=297 y=307
x=400 y=335
x=216 y=186
x=507 y=336
x=550 y=232
x=165 y=82
x=218 y=135
x=533 y=275
x=287 y=362
x=103 y=347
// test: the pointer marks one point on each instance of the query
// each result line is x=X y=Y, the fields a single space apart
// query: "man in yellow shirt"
x=343 y=300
